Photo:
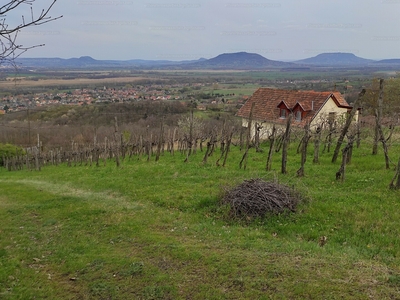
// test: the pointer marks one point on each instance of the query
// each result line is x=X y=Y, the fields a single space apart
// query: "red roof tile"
x=267 y=101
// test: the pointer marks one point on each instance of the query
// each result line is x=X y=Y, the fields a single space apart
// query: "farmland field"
x=47 y=82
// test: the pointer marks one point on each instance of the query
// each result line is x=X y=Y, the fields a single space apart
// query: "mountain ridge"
x=237 y=60
x=335 y=59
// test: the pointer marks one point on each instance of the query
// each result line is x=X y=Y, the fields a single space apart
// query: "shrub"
x=9 y=150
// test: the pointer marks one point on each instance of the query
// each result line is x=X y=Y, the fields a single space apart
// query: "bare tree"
x=272 y=138
x=248 y=138
x=116 y=151
x=317 y=142
x=345 y=152
x=9 y=48
x=378 y=128
x=395 y=183
x=304 y=144
x=347 y=125
x=285 y=144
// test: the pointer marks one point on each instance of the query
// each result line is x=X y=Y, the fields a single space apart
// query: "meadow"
x=156 y=230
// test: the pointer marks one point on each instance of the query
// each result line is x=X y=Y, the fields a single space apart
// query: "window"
x=331 y=117
x=298 y=115
x=283 y=113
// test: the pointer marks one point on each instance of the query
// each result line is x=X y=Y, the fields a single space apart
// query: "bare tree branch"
x=9 y=48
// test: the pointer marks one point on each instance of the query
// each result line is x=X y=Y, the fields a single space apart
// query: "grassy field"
x=155 y=230
x=23 y=83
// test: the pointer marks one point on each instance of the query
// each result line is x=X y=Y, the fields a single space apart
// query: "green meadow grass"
x=155 y=230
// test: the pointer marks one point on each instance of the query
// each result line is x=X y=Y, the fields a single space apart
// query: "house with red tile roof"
x=273 y=106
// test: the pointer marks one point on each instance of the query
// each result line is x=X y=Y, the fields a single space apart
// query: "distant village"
x=87 y=96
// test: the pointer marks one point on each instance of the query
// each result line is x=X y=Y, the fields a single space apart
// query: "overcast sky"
x=190 y=29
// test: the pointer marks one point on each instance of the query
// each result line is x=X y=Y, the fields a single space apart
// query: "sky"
x=192 y=29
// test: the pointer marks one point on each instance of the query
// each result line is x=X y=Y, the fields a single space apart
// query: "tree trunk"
x=285 y=144
x=257 y=129
x=328 y=140
x=317 y=143
x=190 y=139
x=243 y=161
x=37 y=157
x=376 y=135
x=223 y=135
x=271 y=138
x=241 y=140
x=160 y=140
x=358 y=142
x=306 y=138
x=228 y=147
x=378 y=127
x=345 y=152
x=116 y=151
x=395 y=183
x=347 y=125
x=385 y=146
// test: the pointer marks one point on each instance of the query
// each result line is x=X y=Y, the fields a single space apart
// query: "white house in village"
x=273 y=106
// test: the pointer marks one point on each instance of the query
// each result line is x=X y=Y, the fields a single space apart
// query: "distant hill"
x=89 y=62
x=225 y=61
x=335 y=59
x=393 y=61
x=240 y=60
x=81 y=62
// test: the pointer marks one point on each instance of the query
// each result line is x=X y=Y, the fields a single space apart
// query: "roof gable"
x=283 y=104
x=339 y=100
x=301 y=106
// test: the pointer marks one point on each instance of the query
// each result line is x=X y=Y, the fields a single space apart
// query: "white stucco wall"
x=266 y=129
x=331 y=107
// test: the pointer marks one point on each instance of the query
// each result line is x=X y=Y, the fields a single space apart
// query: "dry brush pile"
x=259 y=198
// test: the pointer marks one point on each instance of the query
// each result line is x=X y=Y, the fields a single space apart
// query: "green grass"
x=154 y=230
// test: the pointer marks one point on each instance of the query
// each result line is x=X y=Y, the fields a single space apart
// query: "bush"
x=259 y=198
x=9 y=150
